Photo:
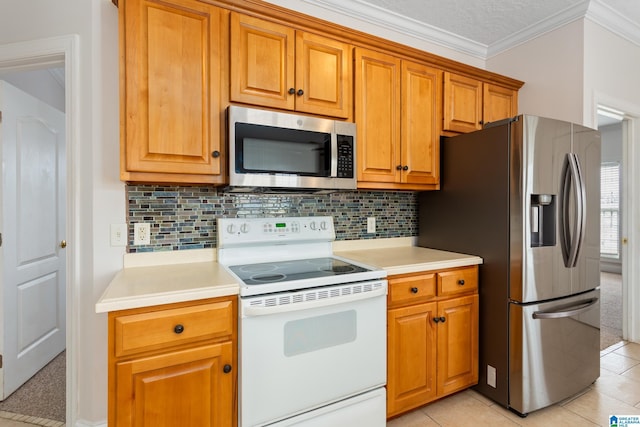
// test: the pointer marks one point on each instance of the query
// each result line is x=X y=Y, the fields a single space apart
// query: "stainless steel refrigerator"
x=524 y=194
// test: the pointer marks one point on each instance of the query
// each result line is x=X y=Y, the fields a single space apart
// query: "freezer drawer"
x=554 y=350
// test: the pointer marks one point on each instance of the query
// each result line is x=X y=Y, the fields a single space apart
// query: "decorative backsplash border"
x=184 y=217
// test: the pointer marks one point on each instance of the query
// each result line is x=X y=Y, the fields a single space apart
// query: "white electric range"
x=312 y=327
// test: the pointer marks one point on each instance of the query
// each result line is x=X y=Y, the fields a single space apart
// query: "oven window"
x=266 y=149
x=315 y=333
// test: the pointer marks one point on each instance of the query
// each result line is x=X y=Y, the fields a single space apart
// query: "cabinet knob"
x=461 y=282
x=300 y=92
x=178 y=329
x=215 y=154
x=399 y=167
x=442 y=319
x=291 y=91
x=226 y=369
x=405 y=168
x=436 y=319
x=414 y=290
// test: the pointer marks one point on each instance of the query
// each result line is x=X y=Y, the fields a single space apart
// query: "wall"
x=612 y=67
x=185 y=217
x=551 y=66
x=98 y=193
x=38 y=83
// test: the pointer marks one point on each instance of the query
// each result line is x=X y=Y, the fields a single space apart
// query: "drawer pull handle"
x=178 y=329
x=226 y=369
x=461 y=282
x=414 y=290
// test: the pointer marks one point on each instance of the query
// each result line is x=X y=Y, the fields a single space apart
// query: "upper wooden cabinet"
x=171 y=61
x=470 y=103
x=273 y=65
x=398 y=115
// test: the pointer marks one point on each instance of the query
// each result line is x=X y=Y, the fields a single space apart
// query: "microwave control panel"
x=345 y=156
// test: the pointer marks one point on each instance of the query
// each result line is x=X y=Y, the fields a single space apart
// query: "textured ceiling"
x=483 y=28
x=483 y=21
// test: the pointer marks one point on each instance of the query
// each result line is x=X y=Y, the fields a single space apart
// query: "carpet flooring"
x=44 y=395
x=610 y=309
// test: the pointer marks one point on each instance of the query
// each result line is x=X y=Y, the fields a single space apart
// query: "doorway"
x=61 y=52
x=613 y=126
x=33 y=254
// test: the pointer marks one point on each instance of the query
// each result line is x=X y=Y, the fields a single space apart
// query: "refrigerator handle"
x=567 y=312
x=571 y=242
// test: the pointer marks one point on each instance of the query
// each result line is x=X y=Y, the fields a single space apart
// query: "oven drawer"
x=458 y=281
x=412 y=288
x=147 y=331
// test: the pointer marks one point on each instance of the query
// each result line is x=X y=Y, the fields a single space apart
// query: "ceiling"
x=483 y=28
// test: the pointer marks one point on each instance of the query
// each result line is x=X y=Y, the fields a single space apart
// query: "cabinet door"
x=262 y=62
x=187 y=387
x=171 y=89
x=421 y=121
x=457 y=344
x=411 y=357
x=462 y=103
x=323 y=76
x=498 y=103
x=378 y=116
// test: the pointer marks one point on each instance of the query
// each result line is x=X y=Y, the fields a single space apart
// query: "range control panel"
x=244 y=231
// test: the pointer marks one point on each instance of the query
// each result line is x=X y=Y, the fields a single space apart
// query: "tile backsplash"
x=184 y=217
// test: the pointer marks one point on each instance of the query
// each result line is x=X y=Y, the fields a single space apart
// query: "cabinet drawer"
x=139 y=332
x=458 y=281
x=412 y=289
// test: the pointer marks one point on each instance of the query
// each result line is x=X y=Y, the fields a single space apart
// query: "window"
x=610 y=210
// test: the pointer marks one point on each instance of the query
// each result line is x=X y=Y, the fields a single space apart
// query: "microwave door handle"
x=334 y=154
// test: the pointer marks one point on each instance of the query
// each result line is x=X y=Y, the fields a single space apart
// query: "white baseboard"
x=83 y=423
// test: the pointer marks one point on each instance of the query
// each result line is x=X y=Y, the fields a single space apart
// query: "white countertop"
x=169 y=277
x=410 y=259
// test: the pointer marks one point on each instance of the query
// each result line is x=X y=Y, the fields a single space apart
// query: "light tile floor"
x=616 y=392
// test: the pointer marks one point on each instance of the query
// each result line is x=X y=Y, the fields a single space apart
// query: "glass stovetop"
x=284 y=271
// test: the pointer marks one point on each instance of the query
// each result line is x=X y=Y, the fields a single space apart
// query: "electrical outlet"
x=118 y=234
x=491 y=376
x=371 y=224
x=141 y=233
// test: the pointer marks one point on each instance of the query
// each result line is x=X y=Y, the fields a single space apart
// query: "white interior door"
x=32 y=223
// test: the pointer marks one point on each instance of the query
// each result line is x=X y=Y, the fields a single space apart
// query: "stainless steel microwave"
x=269 y=149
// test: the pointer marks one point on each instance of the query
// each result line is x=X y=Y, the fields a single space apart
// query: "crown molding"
x=554 y=22
x=384 y=18
x=614 y=21
x=594 y=10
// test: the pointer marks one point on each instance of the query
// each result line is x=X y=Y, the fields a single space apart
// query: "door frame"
x=630 y=224
x=43 y=53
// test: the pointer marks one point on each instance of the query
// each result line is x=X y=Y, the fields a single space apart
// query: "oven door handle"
x=251 y=311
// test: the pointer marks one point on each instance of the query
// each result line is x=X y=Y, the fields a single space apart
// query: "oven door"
x=300 y=351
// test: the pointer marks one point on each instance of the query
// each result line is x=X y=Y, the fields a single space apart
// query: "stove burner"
x=339 y=268
x=268 y=277
x=257 y=268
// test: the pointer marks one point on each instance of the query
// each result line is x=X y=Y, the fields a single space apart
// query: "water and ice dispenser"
x=543 y=220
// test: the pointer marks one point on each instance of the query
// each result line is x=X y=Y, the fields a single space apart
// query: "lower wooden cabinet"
x=174 y=365
x=432 y=337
